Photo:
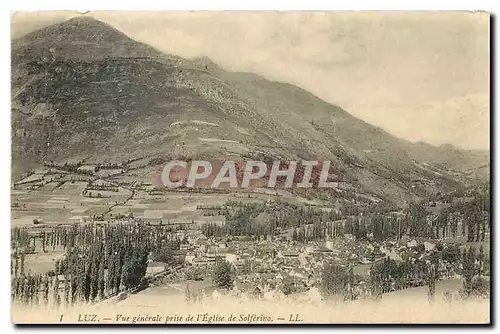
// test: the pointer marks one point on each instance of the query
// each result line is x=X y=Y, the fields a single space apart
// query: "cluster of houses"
x=265 y=266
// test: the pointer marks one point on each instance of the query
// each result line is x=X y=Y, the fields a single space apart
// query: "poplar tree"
x=55 y=292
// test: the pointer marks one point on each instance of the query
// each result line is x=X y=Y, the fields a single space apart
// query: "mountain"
x=83 y=90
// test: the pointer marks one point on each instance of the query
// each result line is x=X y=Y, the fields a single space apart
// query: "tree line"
x=389 y=275
x=97 y=261
x=308 y=223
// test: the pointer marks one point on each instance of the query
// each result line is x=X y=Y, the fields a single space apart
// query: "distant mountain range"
x=83 y=90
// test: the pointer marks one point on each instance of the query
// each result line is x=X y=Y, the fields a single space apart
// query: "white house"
x=429 y=246
x=232 y=258
x=412 y=243
x=189 y=258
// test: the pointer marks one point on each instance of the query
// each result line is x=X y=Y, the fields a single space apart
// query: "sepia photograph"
x=250 y=167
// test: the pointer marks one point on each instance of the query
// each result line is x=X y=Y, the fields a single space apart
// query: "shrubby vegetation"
x=223 y=275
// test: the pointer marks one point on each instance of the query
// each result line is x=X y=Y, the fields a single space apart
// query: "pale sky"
x=422 y=76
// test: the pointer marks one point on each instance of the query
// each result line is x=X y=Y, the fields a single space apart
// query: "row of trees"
x=98 y=262
x=389 y=275
x=314 y=224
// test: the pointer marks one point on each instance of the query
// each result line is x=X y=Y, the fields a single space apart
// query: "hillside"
x=83 y=90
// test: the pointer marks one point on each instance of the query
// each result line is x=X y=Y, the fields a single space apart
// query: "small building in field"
x=200 y=261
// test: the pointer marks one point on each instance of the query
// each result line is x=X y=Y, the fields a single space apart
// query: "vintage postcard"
x=250 y=167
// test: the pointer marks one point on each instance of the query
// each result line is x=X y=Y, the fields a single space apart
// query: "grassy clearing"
x=42 y=262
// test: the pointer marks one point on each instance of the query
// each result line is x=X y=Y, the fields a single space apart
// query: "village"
x=277 y=244
x=275 y=267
